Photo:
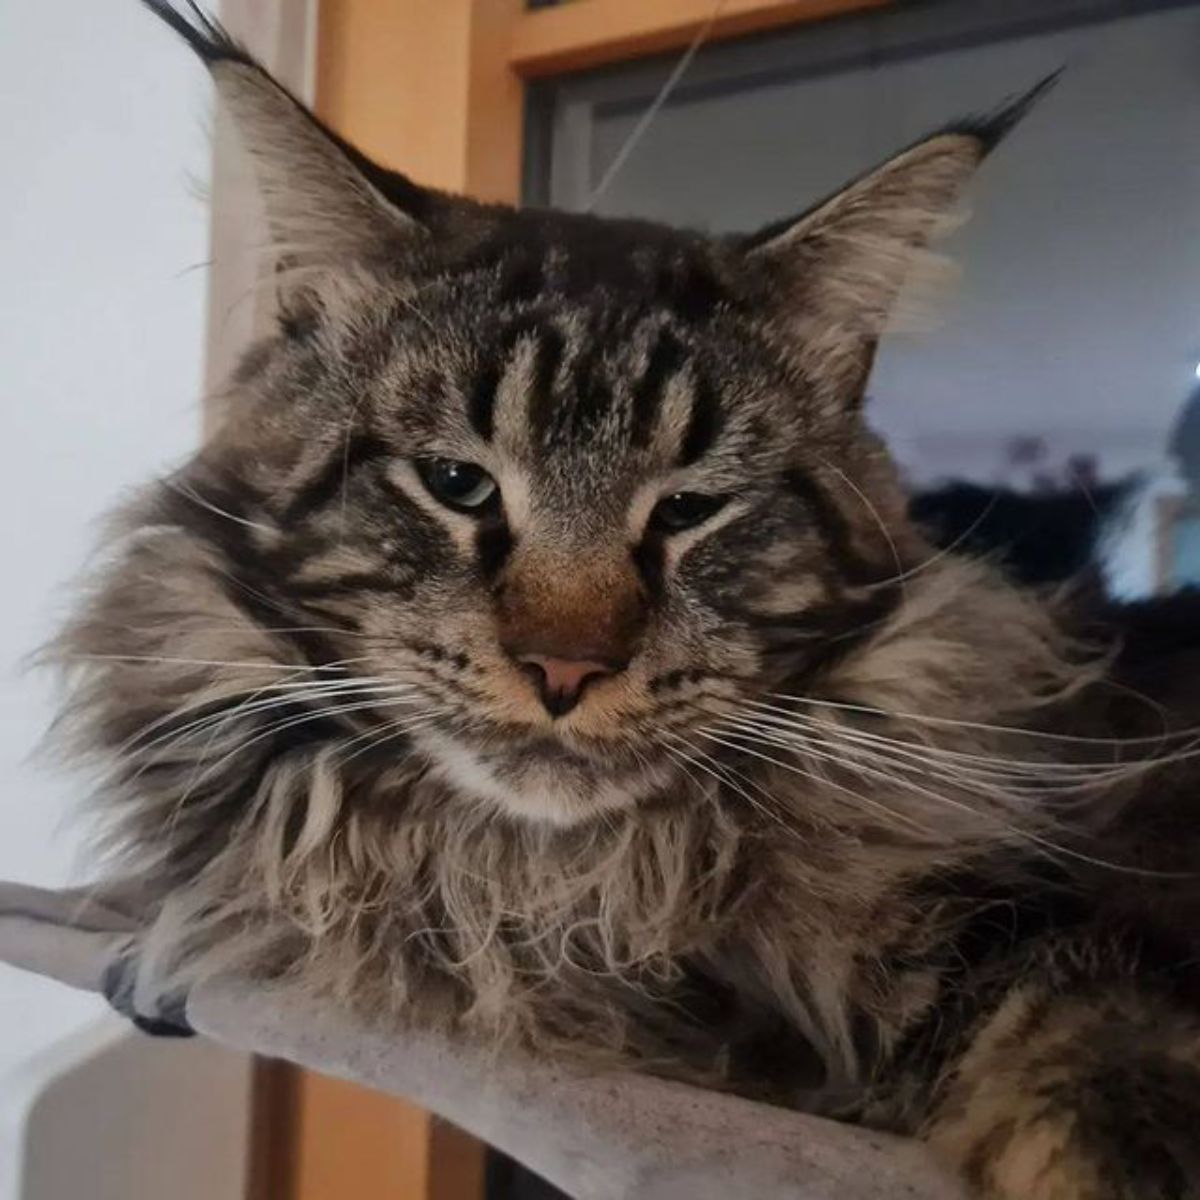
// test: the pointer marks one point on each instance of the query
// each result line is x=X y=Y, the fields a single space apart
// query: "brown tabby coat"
x=838 y=820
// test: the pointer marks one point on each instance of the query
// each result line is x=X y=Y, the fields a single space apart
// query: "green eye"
x=459 y=485
x=684 y=510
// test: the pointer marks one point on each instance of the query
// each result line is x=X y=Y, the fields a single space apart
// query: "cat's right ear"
x=326 y=204
x=835 y=273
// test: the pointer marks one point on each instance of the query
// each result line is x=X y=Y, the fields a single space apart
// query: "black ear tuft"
x=204 y=34
x=990 y=129
x=278 y=126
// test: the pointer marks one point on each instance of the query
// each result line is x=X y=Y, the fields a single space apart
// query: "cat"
x=540 y=650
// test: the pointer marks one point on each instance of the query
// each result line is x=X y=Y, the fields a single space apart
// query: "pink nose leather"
x=561 y=680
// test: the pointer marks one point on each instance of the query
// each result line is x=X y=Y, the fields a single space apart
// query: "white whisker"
x=258 y=704
x=1044 y=844
x=386 y=732
x=889 y=814
x=866 y=501
x=945 y=551
x=998 y=766
x=250 y=664
x=206 y=700
x=715 y=767
x=1016 y=730
x=270 y=732
x=196 y=498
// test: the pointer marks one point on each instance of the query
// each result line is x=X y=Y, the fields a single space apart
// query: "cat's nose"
x=560 y=681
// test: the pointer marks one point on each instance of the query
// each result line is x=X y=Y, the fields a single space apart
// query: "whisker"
x=853 y=768
x=946 y=551
x=249 y=628
x=832 y=751
x=251 y=664
x=270 y=732
x=1045 y=844
x=889 y=814
x=388 y=730
x=713 y=770
x=184 y=490
x=954 y=722
x=206 y=700
x=887 y=533
x=266 y=704
x=922 y=751
x=808 y=745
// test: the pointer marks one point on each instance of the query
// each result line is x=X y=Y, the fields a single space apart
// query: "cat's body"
x=541 y=650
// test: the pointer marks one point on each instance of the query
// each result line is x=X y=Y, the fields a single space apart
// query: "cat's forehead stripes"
x=522 y=360
x=600 y=379
x=665 y=360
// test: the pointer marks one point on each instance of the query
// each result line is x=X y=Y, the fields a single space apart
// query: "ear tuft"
x=205 y=35
x=325 y=202
x=990 y=129
x=833 y=275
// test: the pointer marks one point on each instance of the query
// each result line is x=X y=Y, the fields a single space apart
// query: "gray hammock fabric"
x=597 y=1137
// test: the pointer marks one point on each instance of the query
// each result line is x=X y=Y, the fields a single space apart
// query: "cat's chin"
x=543 y=781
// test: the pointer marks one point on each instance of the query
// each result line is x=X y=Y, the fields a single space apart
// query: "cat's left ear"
x=833 y=275
x=327 y=205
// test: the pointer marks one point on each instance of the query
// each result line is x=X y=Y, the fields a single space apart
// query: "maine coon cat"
x=541 y=650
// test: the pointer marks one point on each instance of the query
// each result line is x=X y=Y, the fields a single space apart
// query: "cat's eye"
x=459 y=485
x=684 y=510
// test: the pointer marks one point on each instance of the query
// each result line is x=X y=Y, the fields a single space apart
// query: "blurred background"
x=1052 y=413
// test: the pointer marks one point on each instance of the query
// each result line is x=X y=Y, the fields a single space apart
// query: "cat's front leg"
x=1089 y=1096
x=158 y=1012
x=96 y=938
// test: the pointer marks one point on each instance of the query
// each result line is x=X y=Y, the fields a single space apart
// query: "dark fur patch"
x=666 y=358
x=834 y=528
x=334 y=476
x=648 y=557
x=704 y=421
x=548 y=354
x=494 y=543
x=521 y=279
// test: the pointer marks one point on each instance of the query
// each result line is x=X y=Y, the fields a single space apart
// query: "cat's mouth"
x=546 y=778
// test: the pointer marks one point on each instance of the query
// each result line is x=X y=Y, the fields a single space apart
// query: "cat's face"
x=565 y=481
x=575 y=485
x=569 y=488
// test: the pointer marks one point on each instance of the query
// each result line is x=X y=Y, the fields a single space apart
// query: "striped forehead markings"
x=569 y=393
x=502 y=359
x=663 y=363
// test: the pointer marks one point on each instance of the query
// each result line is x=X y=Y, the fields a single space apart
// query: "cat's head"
x=567 y=485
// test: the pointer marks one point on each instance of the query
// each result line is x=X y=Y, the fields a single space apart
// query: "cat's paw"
x=157 y=1014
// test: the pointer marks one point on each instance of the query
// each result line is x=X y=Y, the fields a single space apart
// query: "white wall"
x=101 y=334
x=103 y=1115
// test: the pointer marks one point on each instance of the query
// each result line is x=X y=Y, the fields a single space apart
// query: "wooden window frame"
x=435 y=88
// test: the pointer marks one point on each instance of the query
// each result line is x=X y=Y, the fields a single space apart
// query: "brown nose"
x=560 y=681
